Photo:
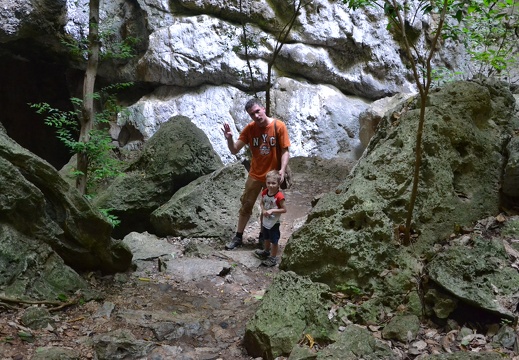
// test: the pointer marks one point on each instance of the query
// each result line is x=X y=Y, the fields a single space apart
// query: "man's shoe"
x=270 y=261
x=235 y=242
x=261 y=254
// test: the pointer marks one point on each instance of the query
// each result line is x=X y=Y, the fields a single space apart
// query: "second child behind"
x=272 y=206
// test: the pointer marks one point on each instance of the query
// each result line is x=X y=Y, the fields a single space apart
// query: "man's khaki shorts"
x=250 y=194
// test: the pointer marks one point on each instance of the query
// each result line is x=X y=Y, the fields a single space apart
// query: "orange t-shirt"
x=262 y=143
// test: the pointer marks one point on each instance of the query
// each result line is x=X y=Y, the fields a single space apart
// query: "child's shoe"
x=261 y=241
x=270 y=261
x=261 y=254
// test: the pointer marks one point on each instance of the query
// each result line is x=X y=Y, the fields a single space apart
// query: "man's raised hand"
x=227 y=132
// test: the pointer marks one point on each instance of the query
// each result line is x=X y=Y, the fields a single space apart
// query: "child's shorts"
x=272 y=235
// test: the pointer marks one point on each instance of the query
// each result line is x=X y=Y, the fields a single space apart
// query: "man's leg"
x=248 y=199
x=242 y=223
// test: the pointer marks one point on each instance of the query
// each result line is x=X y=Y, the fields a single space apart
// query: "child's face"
x=272 y=185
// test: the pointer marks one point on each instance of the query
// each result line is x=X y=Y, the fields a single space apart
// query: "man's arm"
x=285 y=155
x=234 y=146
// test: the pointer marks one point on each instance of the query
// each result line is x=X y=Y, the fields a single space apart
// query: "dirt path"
x=185 y=307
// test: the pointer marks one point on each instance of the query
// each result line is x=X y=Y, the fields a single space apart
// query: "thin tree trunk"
x=87 y=112
x=267 y=90
x=424 y=93
x=281 y=40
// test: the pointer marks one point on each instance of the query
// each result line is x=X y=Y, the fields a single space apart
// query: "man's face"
x=257 y=113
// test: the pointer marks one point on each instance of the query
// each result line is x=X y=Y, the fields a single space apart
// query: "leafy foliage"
x=111 y=48
x=103 y=164
x=489 y=30
x=112 y=219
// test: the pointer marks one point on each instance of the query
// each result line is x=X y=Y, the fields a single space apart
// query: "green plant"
x=442 y=75
x=289 y=10
x=494 y=48
x=399 y=16
x=111 y=48
x=62 y=297
x=102 y=164
x=98 y=45
x=112 y=219
x=349 y=289
x=489 y=30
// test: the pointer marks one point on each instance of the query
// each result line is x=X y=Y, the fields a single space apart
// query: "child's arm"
x=282 y=207
x=280 y=210
x=262 y=207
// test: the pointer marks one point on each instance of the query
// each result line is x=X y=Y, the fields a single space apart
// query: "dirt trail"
x=186 y=308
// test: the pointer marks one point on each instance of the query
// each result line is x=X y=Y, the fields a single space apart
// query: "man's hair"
x=252 y=102
x=274 y=174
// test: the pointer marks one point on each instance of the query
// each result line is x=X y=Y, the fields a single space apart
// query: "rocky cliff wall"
x=189 y=61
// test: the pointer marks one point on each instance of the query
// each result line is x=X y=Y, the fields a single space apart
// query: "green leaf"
x=471 y=9
x=25 y=336
x=459 y=15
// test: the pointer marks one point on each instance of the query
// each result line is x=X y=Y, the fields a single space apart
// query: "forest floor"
x=188 y=308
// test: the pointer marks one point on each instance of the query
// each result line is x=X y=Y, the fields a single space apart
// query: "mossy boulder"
x=478 y=274
x=352 y=234
x=177 y=154
x=48 y=231
x=207 y=207
x=292 y=306
x=356 y=343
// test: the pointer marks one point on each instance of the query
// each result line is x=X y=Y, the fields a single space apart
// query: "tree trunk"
x=281 y=40
x=267 y=90
x=87 y=112
x=424 y=92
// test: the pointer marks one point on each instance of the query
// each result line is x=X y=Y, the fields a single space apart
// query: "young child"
x=272 y=206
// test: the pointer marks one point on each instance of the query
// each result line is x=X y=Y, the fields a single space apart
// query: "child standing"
x=272 y=206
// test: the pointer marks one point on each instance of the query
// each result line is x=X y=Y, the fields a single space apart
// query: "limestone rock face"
x=321 y=121
x=47 y=229
x=350 y=236
x=176 y=155
x=335 y=61
x=30 y=18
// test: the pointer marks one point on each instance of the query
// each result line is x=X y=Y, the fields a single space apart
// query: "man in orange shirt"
x=260 y=135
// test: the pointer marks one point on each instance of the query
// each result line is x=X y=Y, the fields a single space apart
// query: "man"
x=260 y=135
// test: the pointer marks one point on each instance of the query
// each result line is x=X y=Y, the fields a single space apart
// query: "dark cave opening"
x=27 y=81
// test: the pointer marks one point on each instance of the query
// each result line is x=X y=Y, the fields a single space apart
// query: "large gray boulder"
x=292 y=306
x=477 y=272
x=176 y=155
x=351 y=236
x=356 y=343
x=207 y=207
x=47 y=229
x=351 y=239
